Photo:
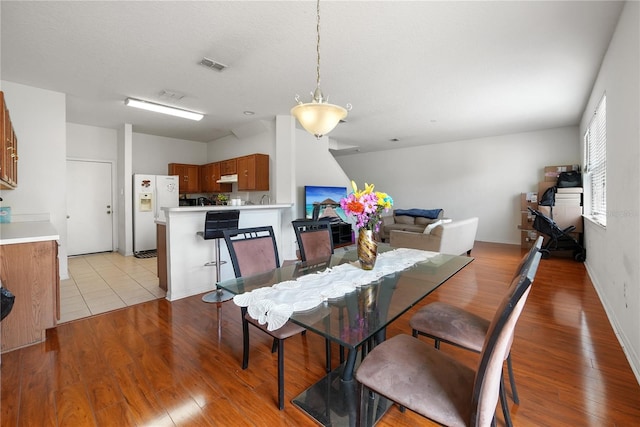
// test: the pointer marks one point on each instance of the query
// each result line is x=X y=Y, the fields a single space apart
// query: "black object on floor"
x=146 y=254
x=6 y=304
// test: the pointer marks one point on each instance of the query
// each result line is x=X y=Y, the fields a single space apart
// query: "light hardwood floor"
x=164 y=364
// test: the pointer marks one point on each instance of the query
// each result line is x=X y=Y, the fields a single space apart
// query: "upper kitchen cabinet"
x=253 y=172
x=9 y=149
x=209 y=175
x=189 y=177
x=228 y=167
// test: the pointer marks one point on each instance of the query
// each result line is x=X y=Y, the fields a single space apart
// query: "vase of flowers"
x=366 y=206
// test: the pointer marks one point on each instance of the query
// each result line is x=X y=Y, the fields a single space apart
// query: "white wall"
x=613 y=253
x=480 y=177
x=151 y=154
x=38 y=117
x=91 y=142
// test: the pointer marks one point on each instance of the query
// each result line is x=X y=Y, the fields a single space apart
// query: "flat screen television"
x=326 y=201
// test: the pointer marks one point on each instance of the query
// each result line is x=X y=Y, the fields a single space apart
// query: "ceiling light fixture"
x=318 y=117
x=164 y=109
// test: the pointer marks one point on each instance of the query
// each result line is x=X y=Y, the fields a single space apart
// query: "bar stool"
x=214 y=223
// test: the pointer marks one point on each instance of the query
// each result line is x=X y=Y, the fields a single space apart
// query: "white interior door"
x=89 y=207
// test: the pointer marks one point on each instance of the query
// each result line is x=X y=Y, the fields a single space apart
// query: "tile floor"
x=107 y=281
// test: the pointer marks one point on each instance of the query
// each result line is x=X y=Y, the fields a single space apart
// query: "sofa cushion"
x=404 y=219
x=420 y=220
x=427 y=213
x=404 y=227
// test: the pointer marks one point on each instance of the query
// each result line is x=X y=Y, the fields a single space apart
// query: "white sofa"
x=455 y=237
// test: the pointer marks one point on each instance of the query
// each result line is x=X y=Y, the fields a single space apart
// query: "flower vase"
x=367 y=249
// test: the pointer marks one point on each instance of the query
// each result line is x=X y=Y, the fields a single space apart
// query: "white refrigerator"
x=150 y=193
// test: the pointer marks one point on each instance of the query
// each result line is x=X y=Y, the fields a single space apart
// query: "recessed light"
x=248 y=113
x=394 y=140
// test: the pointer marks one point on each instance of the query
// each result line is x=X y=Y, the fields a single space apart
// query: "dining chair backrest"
x=497 y=343
x=315 y=239
x=253 y=250
x=528 y=258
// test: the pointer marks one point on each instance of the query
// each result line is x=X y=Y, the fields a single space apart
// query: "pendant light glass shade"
x=318 y=117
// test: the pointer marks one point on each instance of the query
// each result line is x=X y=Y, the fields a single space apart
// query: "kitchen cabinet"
x=8 y=149
x=30 y=272
x=189 y=177
x=209 y=174
x=228 y=167
x=253 y=172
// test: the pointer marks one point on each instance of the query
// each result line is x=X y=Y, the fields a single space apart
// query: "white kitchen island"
x=187 y=253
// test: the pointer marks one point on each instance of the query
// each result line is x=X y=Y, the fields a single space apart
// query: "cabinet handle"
x=9 y=148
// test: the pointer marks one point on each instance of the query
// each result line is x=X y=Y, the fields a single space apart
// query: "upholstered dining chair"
x=453 y=325
x=315 y=240
x=437 y=386
x=253 y=251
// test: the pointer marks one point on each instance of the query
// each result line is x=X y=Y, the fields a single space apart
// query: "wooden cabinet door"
x=193 y=181
x=228 y=167
x=9 y=149
x=253 y=173
x=207 y=183
x=29 y=272
x=188 y=176
x=3 y=143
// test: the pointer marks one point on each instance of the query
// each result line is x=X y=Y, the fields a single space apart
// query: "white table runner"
x=274 y=305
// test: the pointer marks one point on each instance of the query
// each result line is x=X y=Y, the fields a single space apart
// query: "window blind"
x=596 y=163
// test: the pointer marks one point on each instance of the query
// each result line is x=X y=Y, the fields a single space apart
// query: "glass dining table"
x=356 y=321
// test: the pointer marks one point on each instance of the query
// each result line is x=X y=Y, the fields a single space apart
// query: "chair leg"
x=327 y=350
x=512 y=380
x=436 y=343
x=245 y=339
x=503 y=403
x=414 y=332
x=280 y=374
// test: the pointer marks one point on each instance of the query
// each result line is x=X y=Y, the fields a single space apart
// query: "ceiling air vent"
x=212 y=64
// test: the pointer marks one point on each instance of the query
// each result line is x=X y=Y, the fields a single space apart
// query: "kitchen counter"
x=27 y=232
x=187 y=253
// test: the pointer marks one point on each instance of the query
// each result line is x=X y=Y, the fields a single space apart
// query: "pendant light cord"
x=318 y=43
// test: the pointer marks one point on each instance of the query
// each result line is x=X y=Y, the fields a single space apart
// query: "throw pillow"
x=428 y=228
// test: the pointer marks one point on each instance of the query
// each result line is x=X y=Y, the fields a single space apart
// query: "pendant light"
x=318 y=117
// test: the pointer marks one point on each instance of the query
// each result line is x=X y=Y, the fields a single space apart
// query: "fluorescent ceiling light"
x=164 y=109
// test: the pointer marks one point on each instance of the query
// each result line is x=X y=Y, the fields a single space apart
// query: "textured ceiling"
x=420 y=71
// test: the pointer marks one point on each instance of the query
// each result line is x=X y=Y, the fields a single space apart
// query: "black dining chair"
x=315 y=242
x=453 y=325
x=253 y=251
x=437 y=386
x=315 y=239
